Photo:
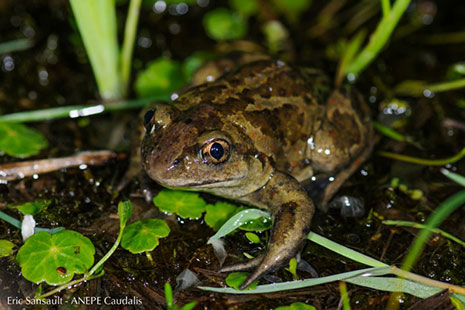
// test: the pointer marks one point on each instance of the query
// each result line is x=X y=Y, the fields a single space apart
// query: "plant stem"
x=77 y=110
x=130 y=30
x=379 y=38
x=15 y=46
x=386 y=7
x=427 y=281
x=421 y=161
x=454 y=176
x=422 y=226
x=11 y=220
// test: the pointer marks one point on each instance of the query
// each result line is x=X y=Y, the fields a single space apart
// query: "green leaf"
x=184 y=204
x=296 y=306
x=252 y=237
x=223 y=24
x=6 y=248
x=293 y=268
x=235 y=279
x=189 y=306
x=292 y=9
x=143 y=235
x=97 y=24
x=245 y=7
x=20 y=141
x=55 y=258
x=192 y=63
x=32 y=207
x=161 y=78
x=168 y=295
x=124 y=212
x=236 y=221
x=260 y=224
x=218 y=214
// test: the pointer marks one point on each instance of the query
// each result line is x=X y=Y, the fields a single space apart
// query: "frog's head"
x=196 y=150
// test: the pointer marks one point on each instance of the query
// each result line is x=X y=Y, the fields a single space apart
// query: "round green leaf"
x=235 y=279
x=218 y=214
x=223 y=24
x=6 y=248
x=20 y=141
x=184 y=204
x=296 y=306
x=245 y=7
x=161 y=78
x=32 y=207
x=55 y=258
x=143 y=235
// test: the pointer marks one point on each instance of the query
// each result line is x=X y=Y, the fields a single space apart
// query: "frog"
x=261 y=134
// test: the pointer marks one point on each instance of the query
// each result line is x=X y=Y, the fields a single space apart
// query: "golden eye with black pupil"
x=216 y=151
x=148 y=119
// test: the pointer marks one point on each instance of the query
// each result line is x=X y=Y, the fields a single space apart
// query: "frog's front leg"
x=292 y=211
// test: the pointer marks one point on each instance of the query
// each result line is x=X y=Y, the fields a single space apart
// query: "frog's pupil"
x=148 y=116
x=216 y=151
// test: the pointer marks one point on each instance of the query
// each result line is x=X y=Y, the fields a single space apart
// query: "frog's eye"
x=216 y=151
x=148 y=119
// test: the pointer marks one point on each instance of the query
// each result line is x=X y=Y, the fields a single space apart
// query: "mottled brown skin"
x=282 y=126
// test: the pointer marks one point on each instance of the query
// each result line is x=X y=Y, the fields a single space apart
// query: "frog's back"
x=272 y=103
x=279 y=109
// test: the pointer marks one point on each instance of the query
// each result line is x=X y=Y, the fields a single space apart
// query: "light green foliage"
x=245 y=7
x=218 y=214
x=235 y=279
x=55 y=258
x=160 y=78
x=124 y=212
x=252 y=237
x=260 y=224
x=296 y=306
x=96 y=21
x=292 y=9
x=293 y=268
x=20 y=141
x=184 y=204
x=32 y=207
x=143 y=235
x=224 y=24
x=6 y=248
x=170 y=301
x=276 y=35
x=193 y=62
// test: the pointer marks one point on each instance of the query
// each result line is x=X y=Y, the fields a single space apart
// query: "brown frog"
x=254 y=135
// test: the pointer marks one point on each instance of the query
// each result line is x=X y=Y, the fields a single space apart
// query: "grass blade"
x=96 y=21
x=292 y=285
x=344 y=251
x=378 y=38
x=128 y=43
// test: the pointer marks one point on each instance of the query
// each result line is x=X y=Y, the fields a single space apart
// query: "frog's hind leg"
x=292 y=211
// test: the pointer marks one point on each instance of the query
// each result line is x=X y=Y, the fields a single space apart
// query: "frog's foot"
x=292 y=211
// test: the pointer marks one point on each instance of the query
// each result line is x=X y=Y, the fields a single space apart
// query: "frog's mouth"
x=206 y=184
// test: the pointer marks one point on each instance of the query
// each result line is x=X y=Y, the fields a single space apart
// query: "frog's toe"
x=253 y=263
